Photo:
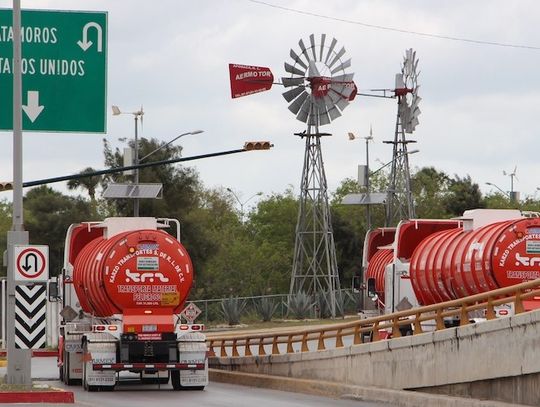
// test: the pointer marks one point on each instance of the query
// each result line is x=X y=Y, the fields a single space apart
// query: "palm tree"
x=89 y=183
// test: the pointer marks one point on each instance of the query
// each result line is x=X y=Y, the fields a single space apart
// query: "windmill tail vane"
x=247 y=79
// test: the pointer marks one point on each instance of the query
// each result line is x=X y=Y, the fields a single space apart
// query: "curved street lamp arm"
x=169 y=142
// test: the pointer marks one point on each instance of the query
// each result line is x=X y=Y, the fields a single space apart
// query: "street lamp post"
x=503 y=192
x=244 y=202
x=136 y=160
x=391 y=161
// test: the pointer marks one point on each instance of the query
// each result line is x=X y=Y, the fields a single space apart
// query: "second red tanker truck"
x=427 y=261
x=124 y=283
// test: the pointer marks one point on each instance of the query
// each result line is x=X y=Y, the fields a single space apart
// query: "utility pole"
x=368 y=208
x=139 y=113
x=136 y=162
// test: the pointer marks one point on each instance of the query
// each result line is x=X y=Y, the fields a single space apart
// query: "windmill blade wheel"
x=319 y=80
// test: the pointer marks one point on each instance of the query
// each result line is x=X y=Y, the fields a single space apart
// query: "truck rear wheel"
x=175 y=380
x=85 y=384
x=64 y=371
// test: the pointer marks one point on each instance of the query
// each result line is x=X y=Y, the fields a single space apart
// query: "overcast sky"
x=480 y=107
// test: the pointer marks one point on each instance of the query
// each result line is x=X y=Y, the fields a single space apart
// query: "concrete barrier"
x=400 y=398
x=483 y=352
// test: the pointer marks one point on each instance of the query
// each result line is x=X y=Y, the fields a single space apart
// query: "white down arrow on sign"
x=32 y=107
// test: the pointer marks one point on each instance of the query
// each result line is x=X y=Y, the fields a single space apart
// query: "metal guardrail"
x=297 y=340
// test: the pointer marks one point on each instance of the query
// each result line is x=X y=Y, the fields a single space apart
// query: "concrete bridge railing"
x=497 y=359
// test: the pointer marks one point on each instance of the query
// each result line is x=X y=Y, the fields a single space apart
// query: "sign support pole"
x=19 y=360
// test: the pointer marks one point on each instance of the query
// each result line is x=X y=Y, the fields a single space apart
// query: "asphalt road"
x=134 y=394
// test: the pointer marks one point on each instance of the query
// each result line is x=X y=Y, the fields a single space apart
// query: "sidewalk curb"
x=54 y=396
x=35 y=353
x=401 y=398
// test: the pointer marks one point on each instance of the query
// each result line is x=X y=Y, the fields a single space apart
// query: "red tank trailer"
x=458 y=263
x=430 y=261
x=134 y=270
x=124 y=284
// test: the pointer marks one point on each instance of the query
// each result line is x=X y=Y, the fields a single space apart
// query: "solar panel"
x=374 y=198
x=150 y=191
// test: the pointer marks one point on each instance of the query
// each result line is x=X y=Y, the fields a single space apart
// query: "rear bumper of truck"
x=148 y=366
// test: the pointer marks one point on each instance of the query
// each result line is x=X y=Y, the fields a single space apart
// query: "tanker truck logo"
x=526 y=261
x=144 y=277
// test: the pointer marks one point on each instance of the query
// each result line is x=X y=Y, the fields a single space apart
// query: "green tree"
x=89 y=183
x=347 y=186
x=212 y=225
x=272 y=229
x=429 y=188
x=254 y=257
x=530 y=204
x=275 y=218
x=349 y=240
x=463 y=194
x=349 y=224
x=5 y=226
x=498 y=200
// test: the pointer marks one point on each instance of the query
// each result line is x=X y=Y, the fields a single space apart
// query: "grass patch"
x=24 y=387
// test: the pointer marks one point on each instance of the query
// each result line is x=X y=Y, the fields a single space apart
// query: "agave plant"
x=232 y=309
x=341 y=302
x=323 y=306
x=300 y=305
x=266 y=308
x=323 y=303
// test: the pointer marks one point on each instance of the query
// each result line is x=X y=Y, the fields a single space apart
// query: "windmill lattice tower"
x=399 y=201
x=320 y=90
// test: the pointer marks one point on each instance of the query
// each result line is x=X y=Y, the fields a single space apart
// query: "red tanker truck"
x=124 y=283
x=426 y=261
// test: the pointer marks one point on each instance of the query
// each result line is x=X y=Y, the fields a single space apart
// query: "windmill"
x=399 y=201
x=319 y=88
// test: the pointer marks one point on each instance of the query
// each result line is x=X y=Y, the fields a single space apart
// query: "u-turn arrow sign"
x=31 y=263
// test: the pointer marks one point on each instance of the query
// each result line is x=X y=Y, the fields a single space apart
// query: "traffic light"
x=257 y=145
x=6 y=186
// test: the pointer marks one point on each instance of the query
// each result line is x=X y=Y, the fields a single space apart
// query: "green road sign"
x=64 y=70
